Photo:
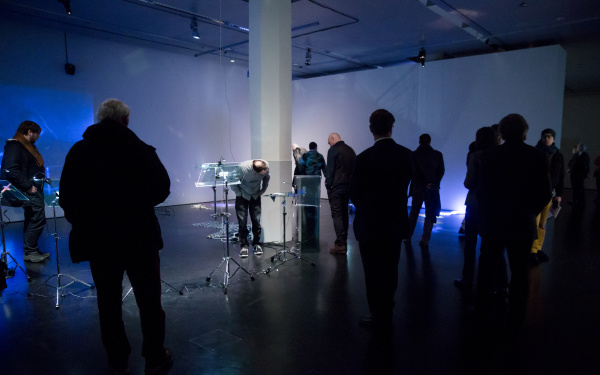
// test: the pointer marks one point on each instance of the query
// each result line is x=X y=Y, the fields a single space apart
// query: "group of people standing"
x=512 y=188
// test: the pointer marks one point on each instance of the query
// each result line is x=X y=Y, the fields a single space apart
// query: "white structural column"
x=270 y=104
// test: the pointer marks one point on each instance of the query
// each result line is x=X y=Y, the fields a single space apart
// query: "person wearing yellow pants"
x=556 y=166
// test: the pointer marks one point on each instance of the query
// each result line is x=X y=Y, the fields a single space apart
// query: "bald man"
x=340 y=161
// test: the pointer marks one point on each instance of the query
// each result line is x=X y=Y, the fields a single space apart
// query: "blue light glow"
x=62 y=115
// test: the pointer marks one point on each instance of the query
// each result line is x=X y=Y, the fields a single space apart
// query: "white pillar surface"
x=270 y=104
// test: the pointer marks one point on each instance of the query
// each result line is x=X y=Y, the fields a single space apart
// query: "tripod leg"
x=172 y=287
x=18 y=265
x=58 y=290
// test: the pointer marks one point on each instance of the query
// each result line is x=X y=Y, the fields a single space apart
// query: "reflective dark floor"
x=303 y=319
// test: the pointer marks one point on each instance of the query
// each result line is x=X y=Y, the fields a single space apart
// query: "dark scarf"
x=31 y=148
x=550 y=150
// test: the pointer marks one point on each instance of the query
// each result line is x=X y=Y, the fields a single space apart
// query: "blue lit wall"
x=192 y=110
x=62 y=115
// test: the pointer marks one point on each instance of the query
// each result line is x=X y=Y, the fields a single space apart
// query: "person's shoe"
x=542 y=257
x=338 y=249
x=533 y=260
x=463 y=284
x=45 y=255
x=34 y=257
x=258 y=250
x=244 y=251
x=158 y=366
x=366 y=321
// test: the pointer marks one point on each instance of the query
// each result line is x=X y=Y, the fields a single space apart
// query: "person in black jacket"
x=110 y=183
x=579 y=167
x=514 y=188
x=340 y=160
x=556 y=165
x=379 y=189
x=23 y=167
x=425 y=187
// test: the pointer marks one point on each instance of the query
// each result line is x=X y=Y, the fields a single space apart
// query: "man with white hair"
x=110 y=183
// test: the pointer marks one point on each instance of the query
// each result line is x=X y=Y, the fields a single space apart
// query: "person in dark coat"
x=485 y=138
x=514 y=188
x=425 y=187
x=579 y=167
x=340 y=160
x=379 y=190
x=312 y=163
x=110 y=183
x=556 y=165
x=23 y=167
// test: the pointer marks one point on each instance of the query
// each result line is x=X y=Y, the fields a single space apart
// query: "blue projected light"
x=62 y=115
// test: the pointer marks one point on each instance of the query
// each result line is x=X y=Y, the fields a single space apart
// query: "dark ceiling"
x=343 y=35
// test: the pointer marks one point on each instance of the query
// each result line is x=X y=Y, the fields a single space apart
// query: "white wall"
x=448 y=99
x=193 y=110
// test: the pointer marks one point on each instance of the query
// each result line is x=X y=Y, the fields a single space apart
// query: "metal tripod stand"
x=226 y=258
x=180 y=291
x=282 y=255
x=58 y=274
x=8 y=272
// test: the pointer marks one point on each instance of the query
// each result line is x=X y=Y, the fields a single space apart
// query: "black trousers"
x=35 y=220
x=339 y=196
x=380 y=263
x=143 y=271
x=578 y=185
x=431 y=198
x=470 y=249
x=242 y=206
x=472 y=220
x=492 y=250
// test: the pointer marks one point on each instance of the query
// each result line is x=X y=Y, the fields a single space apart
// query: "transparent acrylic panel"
x=308 y=203
x=216 y=174
x=309 y=190
x=51 y=192
x=11 y=196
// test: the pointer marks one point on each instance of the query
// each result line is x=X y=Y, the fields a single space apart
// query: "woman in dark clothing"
x=485 y=138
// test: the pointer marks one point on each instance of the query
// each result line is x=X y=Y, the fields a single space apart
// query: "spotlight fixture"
x=421 y=57
x=308 y=57
x=194 y=27
x=67 y=4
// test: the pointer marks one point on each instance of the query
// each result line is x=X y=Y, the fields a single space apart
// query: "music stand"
x=222 y=174
x=282 y=255
x=52 y=201
x=9 y=194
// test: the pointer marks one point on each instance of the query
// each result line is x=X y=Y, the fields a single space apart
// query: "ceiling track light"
x=422 y=54
x=230 y=57
x=308 y=57
x=67 y=4
x=194 y=27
